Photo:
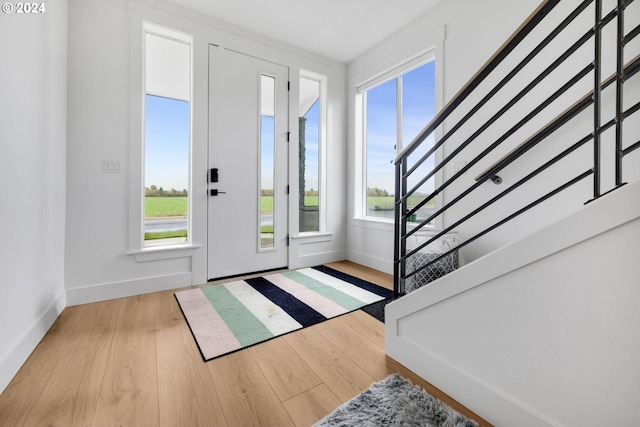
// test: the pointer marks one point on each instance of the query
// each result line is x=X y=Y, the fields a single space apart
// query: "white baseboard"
x=127 y=288
x=317 y=259
x=380 y=264
x=18 y=354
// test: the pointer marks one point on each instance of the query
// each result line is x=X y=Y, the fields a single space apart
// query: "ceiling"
x=337 y=29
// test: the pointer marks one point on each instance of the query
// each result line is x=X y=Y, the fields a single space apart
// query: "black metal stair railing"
x=407 y=169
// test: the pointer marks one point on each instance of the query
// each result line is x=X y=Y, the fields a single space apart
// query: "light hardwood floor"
x=133 y=362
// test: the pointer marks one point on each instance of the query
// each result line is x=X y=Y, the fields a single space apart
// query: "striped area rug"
x=228 y=317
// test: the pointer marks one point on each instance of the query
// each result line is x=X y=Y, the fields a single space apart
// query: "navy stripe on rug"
x=376 y=289
x=295 y=308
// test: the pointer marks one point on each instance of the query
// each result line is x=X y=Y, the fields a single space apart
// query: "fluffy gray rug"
x=394 y=401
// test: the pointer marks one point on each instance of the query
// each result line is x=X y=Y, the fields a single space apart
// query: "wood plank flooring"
x=134 y=362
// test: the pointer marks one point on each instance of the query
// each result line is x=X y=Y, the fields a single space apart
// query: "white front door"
x=248 y=125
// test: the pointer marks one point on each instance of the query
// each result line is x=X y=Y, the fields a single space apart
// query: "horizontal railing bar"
x=510 y=157
x=631 y=35
x=632 y=68
x=528 y=26
x=567 y=53
x=560 y=120
x=518 y=151
x=608 y=125
x=630 y=148
x=609 y=17
x=502 y=83
x=586 y=70
x=523 y=180
x=502 y=111
x=510 y=217
x=634 y=108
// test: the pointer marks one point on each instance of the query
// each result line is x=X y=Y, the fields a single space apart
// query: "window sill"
x=164 y=252
x=385 y=225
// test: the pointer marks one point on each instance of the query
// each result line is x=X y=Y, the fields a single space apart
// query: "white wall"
x=472 y=33
x=541 y=332
x=103 y=39
x=32 y=173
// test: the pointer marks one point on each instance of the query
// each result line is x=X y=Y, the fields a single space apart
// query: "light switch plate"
x=112 y=166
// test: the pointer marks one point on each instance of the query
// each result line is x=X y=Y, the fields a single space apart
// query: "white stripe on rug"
x=347 y=288
x=271 y=315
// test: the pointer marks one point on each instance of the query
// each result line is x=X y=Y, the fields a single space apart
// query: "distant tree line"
x=377 y=192
x=155 y=191
x=310 y=192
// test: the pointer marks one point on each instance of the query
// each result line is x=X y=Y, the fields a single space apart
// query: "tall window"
x=167 y=136
x=311 y=132
x=267 y=162
x=396 y=107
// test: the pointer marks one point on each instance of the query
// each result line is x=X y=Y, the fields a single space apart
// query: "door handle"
x=215 y=192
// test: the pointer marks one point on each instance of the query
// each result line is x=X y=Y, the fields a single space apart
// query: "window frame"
x=262 y=79
x=137 y=247
x=394 y=73
x=176 y=36
x=322 y=153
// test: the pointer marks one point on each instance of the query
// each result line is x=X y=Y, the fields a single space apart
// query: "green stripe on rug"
x=344 y=300
x=246 y=327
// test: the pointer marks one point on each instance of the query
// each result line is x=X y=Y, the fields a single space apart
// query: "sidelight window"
x=311 y=122
x=167 y=136
x=267 y=143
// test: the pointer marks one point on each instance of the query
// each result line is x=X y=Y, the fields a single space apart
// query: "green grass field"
x=266 y=204
x=311 y=200
x=177 y=206
x=165 y=206
x=155 y=235
x=387 y=202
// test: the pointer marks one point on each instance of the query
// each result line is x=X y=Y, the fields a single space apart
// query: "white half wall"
x=33 y=117
x=540 y=332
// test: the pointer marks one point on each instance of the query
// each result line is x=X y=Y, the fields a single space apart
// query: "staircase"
x=539 y=113
x=546 y=133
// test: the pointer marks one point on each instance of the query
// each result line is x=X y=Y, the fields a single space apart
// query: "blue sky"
x=166 y=143
x=267 y=136
x=418 y=108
